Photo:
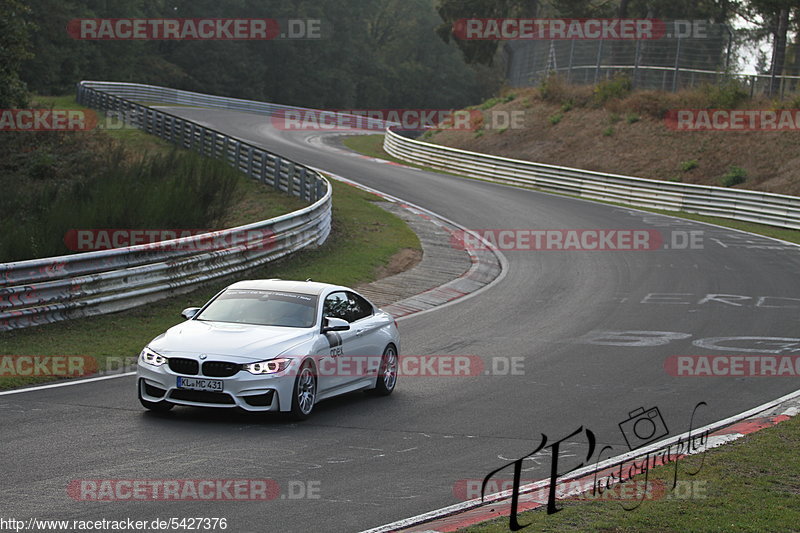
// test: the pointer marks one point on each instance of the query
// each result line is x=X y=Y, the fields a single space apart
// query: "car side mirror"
x=190 y=312
x=334 y=324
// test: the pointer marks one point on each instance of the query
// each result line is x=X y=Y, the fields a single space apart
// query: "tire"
x=387 y=374
x=304 y=392
x=157 y=407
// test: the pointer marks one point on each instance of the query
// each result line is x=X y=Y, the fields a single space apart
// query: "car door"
x=334 y=367
x=367 y=344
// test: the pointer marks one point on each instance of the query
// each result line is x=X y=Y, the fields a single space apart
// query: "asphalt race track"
x=376 y=460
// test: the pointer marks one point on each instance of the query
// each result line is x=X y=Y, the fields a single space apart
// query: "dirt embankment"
x=607 y=128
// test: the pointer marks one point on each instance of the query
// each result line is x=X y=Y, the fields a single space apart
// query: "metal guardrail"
x=141 y=93
x=47 y=290
x=739 y=204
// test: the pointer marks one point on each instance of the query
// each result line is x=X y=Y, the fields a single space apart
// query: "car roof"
x=305 y=287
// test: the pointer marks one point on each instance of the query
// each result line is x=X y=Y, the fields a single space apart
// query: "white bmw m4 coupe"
x=271 y=345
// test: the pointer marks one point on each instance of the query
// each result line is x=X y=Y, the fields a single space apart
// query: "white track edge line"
x=65 y=384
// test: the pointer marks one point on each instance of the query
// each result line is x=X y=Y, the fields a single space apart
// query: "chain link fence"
x=687 y=56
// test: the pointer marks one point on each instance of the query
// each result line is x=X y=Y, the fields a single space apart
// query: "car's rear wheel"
x=158 y=407
x=304 y=394
x=387 y=373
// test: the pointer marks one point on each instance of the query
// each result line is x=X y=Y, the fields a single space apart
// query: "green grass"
x=750 y=485
x=363 y=239
x=555 y=119
x=134 y=139
x=372 y=145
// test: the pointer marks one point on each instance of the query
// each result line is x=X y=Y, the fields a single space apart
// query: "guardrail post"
x=304 y=193
x=249 y=160
x=276 y=176
x=263 y=167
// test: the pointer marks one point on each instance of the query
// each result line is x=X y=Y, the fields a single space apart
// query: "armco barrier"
x=47 y=290
x=750 y=206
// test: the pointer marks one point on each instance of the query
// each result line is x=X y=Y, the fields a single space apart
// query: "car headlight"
x=150 y=357
x=273 y=366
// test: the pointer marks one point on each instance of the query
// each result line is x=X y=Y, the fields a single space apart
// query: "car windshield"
x=262 y=308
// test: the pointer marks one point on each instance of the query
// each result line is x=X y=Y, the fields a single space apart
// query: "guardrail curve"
x=739 y=204
x=41 y=291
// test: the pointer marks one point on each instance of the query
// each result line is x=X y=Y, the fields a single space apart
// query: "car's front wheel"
x=304 y=394
x=387 y=374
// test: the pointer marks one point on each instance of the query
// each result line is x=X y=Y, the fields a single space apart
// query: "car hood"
x=229 y=342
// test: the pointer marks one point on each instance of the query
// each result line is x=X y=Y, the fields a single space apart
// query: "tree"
x=14 y=51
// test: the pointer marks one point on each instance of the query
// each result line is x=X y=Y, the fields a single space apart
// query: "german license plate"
x=213 y=385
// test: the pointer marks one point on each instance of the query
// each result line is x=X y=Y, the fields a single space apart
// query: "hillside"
x=610 y=129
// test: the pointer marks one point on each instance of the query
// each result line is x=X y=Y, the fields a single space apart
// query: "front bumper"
x=244 y=390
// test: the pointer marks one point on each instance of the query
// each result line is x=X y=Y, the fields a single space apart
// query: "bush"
x=615 y=88
x=630 y=118
x=490 y=103
x=553 y=88
x=555 y=119
x=650 y=103
x=691 y=164
x=608 y=132
x=726 y=95
x=734 y=176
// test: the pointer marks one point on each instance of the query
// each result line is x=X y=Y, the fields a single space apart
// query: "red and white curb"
x=489 y=266
x=498 y=505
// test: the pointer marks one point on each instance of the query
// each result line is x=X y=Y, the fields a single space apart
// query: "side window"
x=358 y=307
x=336 y=306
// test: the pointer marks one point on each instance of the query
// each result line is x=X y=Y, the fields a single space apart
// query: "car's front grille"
x=180 y=365
x=220 y=369
x=200 y=396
